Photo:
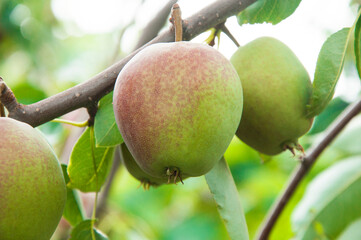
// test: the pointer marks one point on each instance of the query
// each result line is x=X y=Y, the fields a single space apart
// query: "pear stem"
x=176 y=19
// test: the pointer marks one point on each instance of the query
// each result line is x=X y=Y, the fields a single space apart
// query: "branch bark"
x=306 y=163
x=89 y=92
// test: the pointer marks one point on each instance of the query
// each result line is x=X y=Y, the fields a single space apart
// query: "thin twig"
x=152 y=29
x=307 y=161
x=229 y=34
x=101 y=208
x=7 y=97
x=92 y=90
x=2 y=110
x=2 y=86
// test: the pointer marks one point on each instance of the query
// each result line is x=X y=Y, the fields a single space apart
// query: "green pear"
x=131 y=165
x=177 y=106
x=32 y=187
x=276 y=91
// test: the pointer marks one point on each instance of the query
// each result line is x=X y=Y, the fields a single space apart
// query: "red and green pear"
x=177 y=106
x=276 y=91
x=32 y=187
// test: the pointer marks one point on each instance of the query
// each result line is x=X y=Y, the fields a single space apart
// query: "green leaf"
x=73 y=211
x=357 y=45
x=27 y=93
x=82 y=173
x=328 y=70
x=225 y=193
x=327 y=116
x=106 y=130
x=83 y=231
x=270 y=11
x=331 y=201
x=353 y=231
x=348 y=141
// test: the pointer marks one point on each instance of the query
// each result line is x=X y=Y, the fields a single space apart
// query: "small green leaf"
x=357 y=43
x=328 y=70
x=106 y=130
x=73 y=211
x=270 y=11
x=332 y=200
x=225 y=193
x=83 y=231
x=348 y=141
x=82 y=173
x=27 y=93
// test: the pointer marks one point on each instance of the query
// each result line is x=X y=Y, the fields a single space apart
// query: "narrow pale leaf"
x=328 y=70
x=83 y=231
x=82 y=173
x=106 y=130
x=331 y=202
x=73 y=211
x=357 y=43
x=353 y=231
x=270 y=11
x=224 y=191
x=331 y=112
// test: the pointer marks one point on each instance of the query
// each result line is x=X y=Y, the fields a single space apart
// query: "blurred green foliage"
x=39 y=58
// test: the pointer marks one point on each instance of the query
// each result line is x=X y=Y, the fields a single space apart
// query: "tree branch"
x=85 y=94
x=307 y=161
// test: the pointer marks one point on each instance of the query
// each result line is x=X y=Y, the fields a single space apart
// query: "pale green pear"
x=32 y=187
x=276 y=91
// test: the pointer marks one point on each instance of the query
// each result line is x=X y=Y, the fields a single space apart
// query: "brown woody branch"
x=89 y=92
x=307 y=161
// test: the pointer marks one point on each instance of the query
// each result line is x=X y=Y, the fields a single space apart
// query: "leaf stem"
x=76 y=124
x=307 y=161
x=93 y=219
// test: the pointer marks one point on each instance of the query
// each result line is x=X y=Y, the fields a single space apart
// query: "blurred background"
x=47 y=46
